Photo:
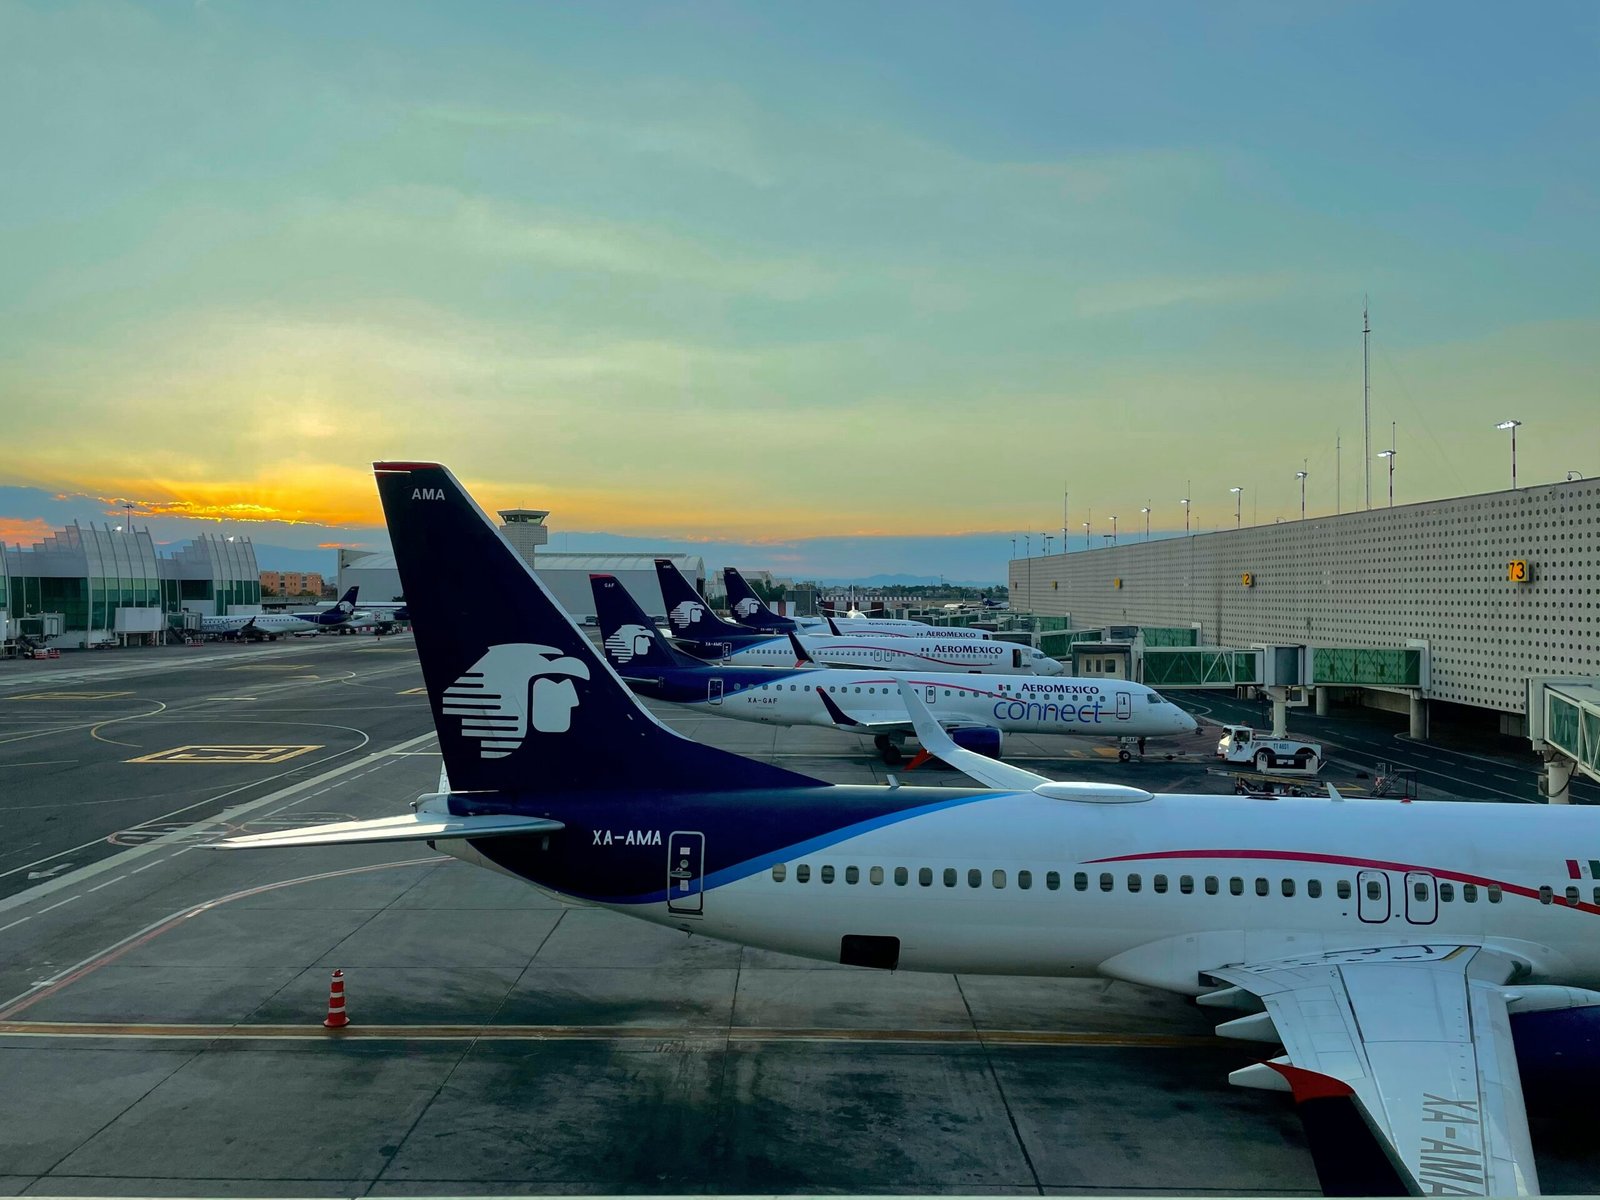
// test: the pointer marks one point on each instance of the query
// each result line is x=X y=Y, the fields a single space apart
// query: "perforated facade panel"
x=1435 y=572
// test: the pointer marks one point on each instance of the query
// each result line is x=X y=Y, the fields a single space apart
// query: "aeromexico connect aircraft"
x=1390 y=949
x=749 y=610
x=272 y=625
x=977 y=710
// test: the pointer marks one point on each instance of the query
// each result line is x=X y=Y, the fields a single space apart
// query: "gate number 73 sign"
x=1517 y=570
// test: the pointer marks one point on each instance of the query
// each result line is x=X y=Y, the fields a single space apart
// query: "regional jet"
x=932 y=653
x=1406 y=967
x=978 y=710
x=750 y=611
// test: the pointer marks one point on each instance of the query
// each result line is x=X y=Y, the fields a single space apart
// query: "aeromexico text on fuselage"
x=742 y=693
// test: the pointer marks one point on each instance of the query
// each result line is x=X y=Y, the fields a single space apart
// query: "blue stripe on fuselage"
x=745 y=833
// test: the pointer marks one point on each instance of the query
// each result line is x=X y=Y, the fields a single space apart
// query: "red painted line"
x=1341 y=860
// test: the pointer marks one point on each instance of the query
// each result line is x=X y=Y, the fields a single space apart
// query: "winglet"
x=840 y=718
x=937 y=741
x=832 y=627
x=801 y=654
x=1333 y=793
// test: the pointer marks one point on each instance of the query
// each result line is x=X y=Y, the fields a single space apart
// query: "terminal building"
x=91 y=585
x=566 y=575
x=1448 y=608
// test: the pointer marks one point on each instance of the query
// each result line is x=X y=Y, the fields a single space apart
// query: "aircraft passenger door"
x=1372 y=896
x=931 y=693
x=686 y=861
x=714 y=690
x=1422 y=898
x=1124 y=706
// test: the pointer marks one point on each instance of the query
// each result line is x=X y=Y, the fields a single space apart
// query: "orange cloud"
x=24 y=530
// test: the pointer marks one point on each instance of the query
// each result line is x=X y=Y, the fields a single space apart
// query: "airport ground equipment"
x=1242 y=744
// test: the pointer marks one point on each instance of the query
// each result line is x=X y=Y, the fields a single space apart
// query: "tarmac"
x=161 y=1004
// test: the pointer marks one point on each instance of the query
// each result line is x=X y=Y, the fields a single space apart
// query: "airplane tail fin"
x=522 y=700
x=630 y=638
x=688 y=614
x=748 y=608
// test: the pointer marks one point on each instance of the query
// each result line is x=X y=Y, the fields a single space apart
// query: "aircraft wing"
x=1402 y=1065
x=412 y=827
x=936 y=740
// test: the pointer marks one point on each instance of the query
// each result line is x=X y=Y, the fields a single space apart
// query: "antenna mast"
x=1066 y=497
x=1366 y=398
x=1338 y=474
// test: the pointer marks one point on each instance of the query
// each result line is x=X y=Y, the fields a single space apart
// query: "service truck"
x=1242 y=744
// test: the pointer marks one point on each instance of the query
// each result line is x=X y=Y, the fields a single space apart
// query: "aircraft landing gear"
x=891 y=754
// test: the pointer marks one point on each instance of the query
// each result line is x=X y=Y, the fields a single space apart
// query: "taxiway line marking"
x=607 y=1033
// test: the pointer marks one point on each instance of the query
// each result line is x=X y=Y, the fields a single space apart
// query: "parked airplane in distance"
x=978 y=710
x=874 y=652
x=1391 y=949
x=751 y=611
x=271 y=626
x=695 y=625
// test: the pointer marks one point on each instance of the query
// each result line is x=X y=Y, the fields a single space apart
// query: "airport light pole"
x=1301 y=476
x=1238 y=499
x=1146 y=511
x=1113 y=529
x=1185 y=503
x=1389 y=454
x=1086 y=539
x=1512 y=425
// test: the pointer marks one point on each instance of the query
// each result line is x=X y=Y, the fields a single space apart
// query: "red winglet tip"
x=922 y=756
x=1310 y=1085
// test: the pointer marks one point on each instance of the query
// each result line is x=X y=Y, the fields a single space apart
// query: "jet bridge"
x=1564 y=727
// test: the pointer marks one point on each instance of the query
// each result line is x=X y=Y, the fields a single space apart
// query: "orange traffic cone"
x=336 y=1018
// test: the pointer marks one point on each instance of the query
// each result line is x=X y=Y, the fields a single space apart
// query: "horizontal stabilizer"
x=412 y=827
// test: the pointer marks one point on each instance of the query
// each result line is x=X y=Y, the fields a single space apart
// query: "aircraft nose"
x=1186 y=723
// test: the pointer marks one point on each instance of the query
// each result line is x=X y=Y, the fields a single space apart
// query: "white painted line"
x=14 y=924
x=221 y=820
x=59 y=903
x=146 y=867
x=107 y=883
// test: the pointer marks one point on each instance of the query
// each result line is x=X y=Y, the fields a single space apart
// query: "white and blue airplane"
x=977 y=710
x=271 y=626
x=1406 y=968
x=751 y=611
x=898 y=653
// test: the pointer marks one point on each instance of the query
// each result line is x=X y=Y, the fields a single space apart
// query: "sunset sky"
x=753 y=275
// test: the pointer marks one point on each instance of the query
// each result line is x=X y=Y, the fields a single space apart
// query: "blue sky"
x=792 y=273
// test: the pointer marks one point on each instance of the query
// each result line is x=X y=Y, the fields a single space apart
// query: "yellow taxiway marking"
x=608 y=1033
x=421 y=691
x=69 y=696
x=225 y=754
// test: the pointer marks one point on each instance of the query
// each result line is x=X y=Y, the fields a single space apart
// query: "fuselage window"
x=1263 y=887
x=1288 y=887
x=1469 y=893
x=1572 y=896
x=1236 y=885
x=852 y=874
x=901 y=876
x=1211 y=885
x=1052 y=880
x=1374 y=890
x=974 y=877
x=802 y=873
x=1133 y=883
x=949 y=877
x=1159 y=883
x=1106 y=882
x=997 y=879
x=1494 y=893
x=1314 y=888
x=1186 y=884
x=826 y=875
x=925 y=876
x=1597 y=895
x=1024 y=880
x=1080 y=880
x=875 y=875
x=1447 y=892
x=1546 y=894
x=778 y=872
x=1343 y=888
x=1419 y=889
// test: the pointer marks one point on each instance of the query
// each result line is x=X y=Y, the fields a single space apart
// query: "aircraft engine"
x=985 y=741
x=1558 y=1050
